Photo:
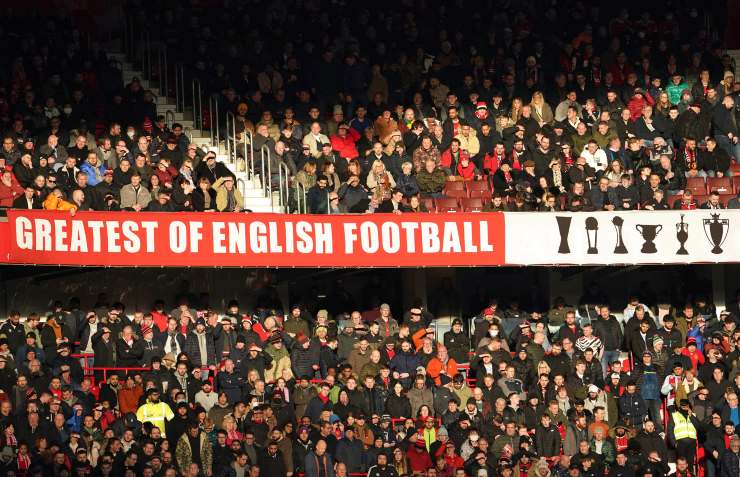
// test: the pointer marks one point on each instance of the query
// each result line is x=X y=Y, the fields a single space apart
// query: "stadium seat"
x=454 y=185
x=472 y=204
x=428 y=203
x=478 y=185
x=447 y=204
x=696 y=185
x=725 y=199
x=672 y=199
x=482 y=194
x=735 y=168
x=700 y=199
x=723 y=185
x=457 y=193
x=736 y=182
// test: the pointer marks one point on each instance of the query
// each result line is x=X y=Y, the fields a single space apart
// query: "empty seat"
x=736 y=182
x=454 y=185
x=456 y=194
x=447 y=204
x=473 y=204
x=723 y=185
x=478 y=185
x=481 y=194
x=696 y=185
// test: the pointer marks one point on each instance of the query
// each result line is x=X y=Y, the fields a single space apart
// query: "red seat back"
x=473 y=204
x=723 y=185
x=447 y=204
x=696 y=185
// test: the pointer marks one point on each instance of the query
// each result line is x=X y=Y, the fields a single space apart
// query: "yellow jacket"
x=57 y=203
x=157 y=414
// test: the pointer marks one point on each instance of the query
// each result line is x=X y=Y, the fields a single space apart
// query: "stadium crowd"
x=611 y=110
x=191 y=391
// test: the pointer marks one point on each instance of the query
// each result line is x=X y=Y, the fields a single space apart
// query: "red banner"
x=255 y=240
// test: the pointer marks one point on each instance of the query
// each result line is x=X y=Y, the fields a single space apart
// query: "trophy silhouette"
x=592 y=234
x=682 y=234
x=649 y=232
x=618 y=222
x=563 y=228
x=716 y=230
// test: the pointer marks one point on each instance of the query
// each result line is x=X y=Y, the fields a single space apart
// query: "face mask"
x=130 y=134
x=493 y=332
x=67 y=110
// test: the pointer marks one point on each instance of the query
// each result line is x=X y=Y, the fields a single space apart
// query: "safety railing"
x=128 y=46
x=241 y=186
x=300 y=197
x=249 y=158
x=179 y=87
x=214 y=121
x=162 y=73
x=231 y=137
x=283 y=176
x=197 y=104
x=169 y=118
x=146 y=52
x=266 y=178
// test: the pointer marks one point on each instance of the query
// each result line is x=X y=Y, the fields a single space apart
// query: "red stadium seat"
x=481 y=194
x=725 y=199
x=696 y=185
x=700 y=199
x=454 y=185
x=447 y=204
x=478 y=185
x=723 y=185
x=457 y=194
x=735 y=168
x=736 y=182
x=672 y=199
x=472 y=204
x=428 y=203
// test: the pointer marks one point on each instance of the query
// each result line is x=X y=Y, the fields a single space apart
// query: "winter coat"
x=398 y=406
x=192 y=349
x=547 y=441
x=303 y=359
x=632 y=408
x=419 y=397
x=431 y=182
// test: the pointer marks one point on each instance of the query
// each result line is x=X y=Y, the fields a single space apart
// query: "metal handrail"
x=283 y=174
x=249 y=162
x=189 y=133
x=231 y=137
x=162 y=70
x=197 y=105
x=214 y=121
x=241 y=186
x=169 y=118
x=300 y=197
x=146 y=59
x=266 y=179
x=179 y=87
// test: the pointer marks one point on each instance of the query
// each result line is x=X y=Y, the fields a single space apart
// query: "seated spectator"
x=431 y=179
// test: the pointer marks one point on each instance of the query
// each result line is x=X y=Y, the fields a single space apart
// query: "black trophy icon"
x=682 y=234
x=649 y=232
x=716 y=230
x=618 y=222
x=563 y=228
x=592 y=234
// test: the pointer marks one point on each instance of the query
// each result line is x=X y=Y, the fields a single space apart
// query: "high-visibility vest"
x=156 y=414
x=682 y=427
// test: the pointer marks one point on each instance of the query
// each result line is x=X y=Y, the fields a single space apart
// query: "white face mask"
x=493 y=332
x=67 y=110
x=130 y=134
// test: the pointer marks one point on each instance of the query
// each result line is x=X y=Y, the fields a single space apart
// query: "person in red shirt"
x=418 y=457
x=344 y=141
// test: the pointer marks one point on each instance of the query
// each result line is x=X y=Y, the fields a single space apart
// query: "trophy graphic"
x=716 y=230
x=649 y=232
x=682 y=234
x=563 y=228
x=618 y=222
x=592 y=234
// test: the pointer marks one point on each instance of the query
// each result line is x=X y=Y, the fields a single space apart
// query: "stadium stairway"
x=255 y=197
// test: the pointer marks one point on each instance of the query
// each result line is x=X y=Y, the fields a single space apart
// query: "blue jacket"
x=649 y=383
x=89 y=169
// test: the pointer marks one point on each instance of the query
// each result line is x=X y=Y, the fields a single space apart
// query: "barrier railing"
x=169 y=118
x=197 y=104
x=249 y=159
x=283 y=175
x=214 y=121
x=300 y=197
x=266 y=179
x=162 y=74
x=179 y=87
x=231 y=137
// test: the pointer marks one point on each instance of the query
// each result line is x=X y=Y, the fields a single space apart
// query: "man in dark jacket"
x=457 y=342
x=632 y=407
x=607 y=328
x=211 y=169
x=651 y=441
x=350 y=452
x=730 y=461
x=547 y=438
x=14 y=331
x=305 y=356
x=199 y=346
x=271 y=460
